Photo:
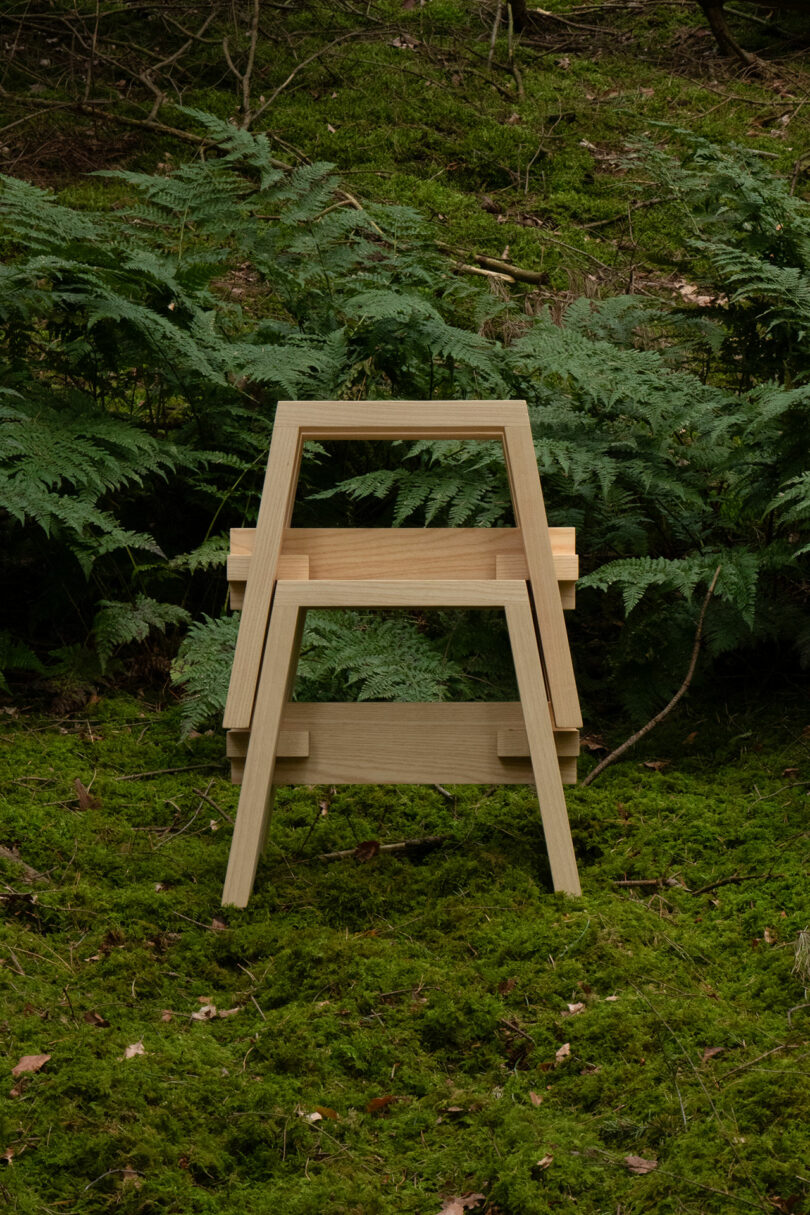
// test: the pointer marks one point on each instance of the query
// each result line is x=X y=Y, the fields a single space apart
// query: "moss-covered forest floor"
x=384 y=1036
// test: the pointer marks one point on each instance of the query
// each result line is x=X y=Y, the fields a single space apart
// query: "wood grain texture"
x=278 y=572
x=401 y=419
x=530 y=515
x=406 y=743
x=537 y=720
x=474 y=552
x=275 y=513
x=384 y=593
x=256 y=795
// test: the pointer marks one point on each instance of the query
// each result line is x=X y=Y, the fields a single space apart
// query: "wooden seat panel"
x=404 y=743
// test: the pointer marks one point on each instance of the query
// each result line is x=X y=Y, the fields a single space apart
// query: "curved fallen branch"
x=682 y=690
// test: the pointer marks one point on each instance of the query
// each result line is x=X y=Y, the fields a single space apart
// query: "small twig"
x=636 y=206
x=496 y=265
x=165 y=771
x=207 y=927
x=646 y=882
x=735 y=880
x=109 y=1173
x=592 y=29
x=494 y=36
x=445 y=793
x=254 y=38
x=516 y=1029
x=659 y=717
x=212 y=803
x=774 y=1050
x=423 y=841
x=298 y=67
x=464 y=268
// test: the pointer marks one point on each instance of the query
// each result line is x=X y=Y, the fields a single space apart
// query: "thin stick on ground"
x=682 y=690
x=425 y=841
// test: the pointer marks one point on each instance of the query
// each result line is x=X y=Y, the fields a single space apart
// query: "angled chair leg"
x=532 y=689
x=256 y=796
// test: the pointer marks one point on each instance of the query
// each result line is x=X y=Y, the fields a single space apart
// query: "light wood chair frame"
x=278 y=572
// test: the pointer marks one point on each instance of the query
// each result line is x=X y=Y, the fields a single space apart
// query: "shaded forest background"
x=207 y=208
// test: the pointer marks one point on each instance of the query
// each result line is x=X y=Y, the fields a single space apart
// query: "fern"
x=203 y=667
x=142 y=353
x=118 y=624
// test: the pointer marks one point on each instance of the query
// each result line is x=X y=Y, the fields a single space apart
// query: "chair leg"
x=550 y=795
x=256 y=796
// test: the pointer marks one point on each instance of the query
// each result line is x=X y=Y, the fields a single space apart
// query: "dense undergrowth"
x=458 y=1028
x=144 y=350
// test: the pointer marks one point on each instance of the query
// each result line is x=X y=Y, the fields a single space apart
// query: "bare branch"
x=659 y=717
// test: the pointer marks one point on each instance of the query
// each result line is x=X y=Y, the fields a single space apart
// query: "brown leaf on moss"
x=366 y=850
x=87 y=800
x=29 y=1063
x=459 y=1205
x=95 y=1018
x=637 y=1164
x=326 y=1111
x=379 y=1103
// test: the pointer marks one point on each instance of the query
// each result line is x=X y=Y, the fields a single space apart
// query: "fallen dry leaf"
x=229 y=1012
x=656 y=765
x=29 y=1063
x=94 y=1018
x=379 y=1103
x=166 y=1015
x=637 y=1164
x=507 y=985
x=790 y=772
x=535 y=1098
x=87 y=800
x=218 y=924
x=545 y=1162
x=136 y=1048
x=8 y=1155
x=326 y=1111
x=563 y=1052
x=206 y=1013
x=710 y=1052
x=465 y=1202
x=366 y=850
x=611 y=999
x=573 y=1009
x=768 y=937
x=130 y=1177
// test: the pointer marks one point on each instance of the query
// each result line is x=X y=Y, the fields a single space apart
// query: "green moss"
x=444 y=981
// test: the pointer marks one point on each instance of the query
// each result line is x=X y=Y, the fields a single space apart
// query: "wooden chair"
x=277 y=573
